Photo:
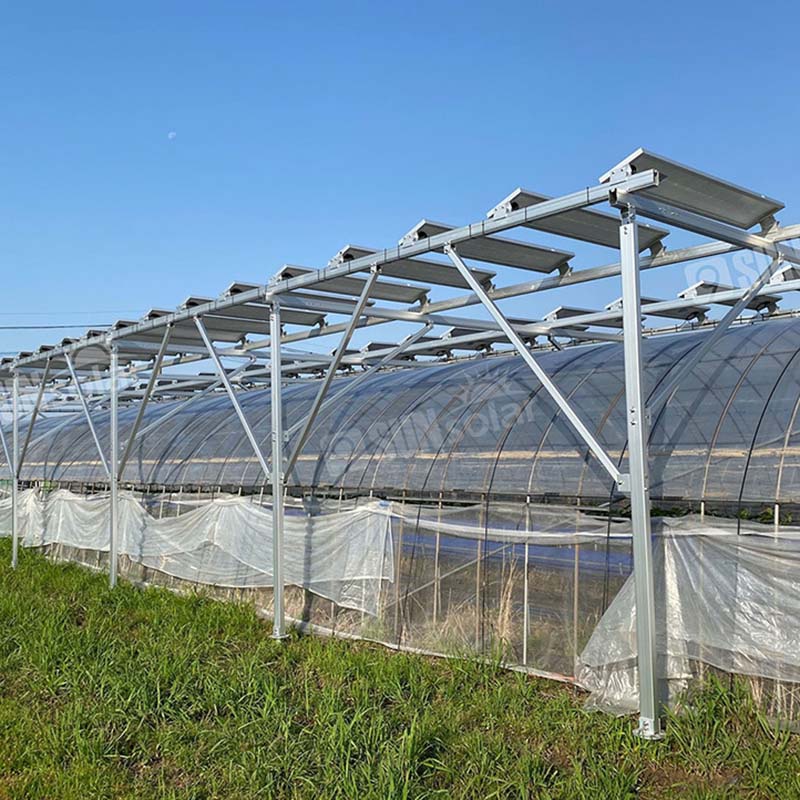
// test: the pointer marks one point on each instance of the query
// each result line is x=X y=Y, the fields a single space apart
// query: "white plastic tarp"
x=343 y=555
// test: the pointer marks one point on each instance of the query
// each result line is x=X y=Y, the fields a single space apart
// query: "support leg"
x=649 y=705
x=278 y=478
x=114 y=469
x=15 y=472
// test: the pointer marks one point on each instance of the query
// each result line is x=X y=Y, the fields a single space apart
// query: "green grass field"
x=141 y=693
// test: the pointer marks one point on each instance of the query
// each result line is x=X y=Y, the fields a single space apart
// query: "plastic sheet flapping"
x=343 y=555
x=726 y=596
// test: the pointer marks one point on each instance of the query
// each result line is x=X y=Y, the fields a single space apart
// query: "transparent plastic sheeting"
x=724 y=600
x=483 y=426
x=227 y=542
x=550 y=586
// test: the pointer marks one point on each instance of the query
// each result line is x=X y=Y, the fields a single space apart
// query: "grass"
x=145 y=694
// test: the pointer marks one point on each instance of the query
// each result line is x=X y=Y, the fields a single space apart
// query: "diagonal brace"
x=85 y=407
x=223 y=376
x=554 y=392
x=194 y=397
x=359 y=379
x=156 y=371
x=714 y=336
x=352 y=323
x=34 y=414
x=6 y=452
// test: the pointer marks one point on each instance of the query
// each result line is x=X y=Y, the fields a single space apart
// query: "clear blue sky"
x=151 y=150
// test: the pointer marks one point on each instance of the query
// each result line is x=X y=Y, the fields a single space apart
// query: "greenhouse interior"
x=608 y=497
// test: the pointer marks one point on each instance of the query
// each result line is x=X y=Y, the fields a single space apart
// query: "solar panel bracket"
x=769 y=225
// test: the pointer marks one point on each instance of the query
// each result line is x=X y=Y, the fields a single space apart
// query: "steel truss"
x=359 y=288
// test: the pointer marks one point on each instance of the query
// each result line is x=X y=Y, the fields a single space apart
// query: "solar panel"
x=497 y=250
x=710 y=288
x=184 y=333
x=596 y=227
x=258 y=312
x=353 y=286
x=789 y=272
x=464 y=329
x=697 y=312
x=416 y=269
x=567 y=312
x=371 y=347
x=237 y=287
x=700 y=193
x=443 y=346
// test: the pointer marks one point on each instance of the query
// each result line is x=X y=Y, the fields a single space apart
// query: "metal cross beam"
x=589 y=196
x=663 y=212
x=577 y=276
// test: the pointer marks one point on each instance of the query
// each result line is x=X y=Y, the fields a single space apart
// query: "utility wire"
x=57 y=312
x=51 y=327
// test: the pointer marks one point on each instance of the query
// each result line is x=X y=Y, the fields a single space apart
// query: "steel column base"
x=649 y=729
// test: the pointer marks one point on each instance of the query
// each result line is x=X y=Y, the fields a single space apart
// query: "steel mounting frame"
x=164 y=336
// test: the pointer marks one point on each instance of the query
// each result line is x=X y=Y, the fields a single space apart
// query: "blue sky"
x=297 y=128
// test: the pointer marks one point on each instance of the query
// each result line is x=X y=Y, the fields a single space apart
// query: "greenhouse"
x=547 y=491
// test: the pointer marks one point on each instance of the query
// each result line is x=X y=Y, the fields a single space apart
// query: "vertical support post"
x=526 y=610
x=437 y=588
x=478 y=598
x=15 y=471
x=113 y=476
x=576 y=569
x=479 y=583
x=398 y=573
x=278 y=477
x=649 y=708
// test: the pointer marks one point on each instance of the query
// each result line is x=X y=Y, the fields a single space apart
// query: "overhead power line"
x=52 y=327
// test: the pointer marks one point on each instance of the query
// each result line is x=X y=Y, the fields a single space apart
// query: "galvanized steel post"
x=278 y=478
x=15 y=471
x=638 y=481
x=114 y=467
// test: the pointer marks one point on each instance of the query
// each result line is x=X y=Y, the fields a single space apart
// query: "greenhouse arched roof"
x=485 y=426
